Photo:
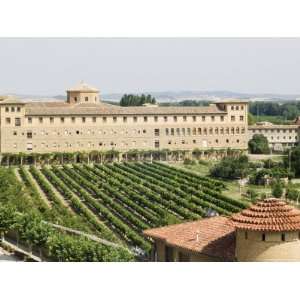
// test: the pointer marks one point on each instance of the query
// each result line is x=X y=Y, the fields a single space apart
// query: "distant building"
x=84 y=123
x=280 y=137
x=268 y=230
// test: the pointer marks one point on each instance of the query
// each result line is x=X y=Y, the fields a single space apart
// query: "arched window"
x=216 y=130
x=237 y=130
x=222 y=130
x=210 y=131
x=232 y=130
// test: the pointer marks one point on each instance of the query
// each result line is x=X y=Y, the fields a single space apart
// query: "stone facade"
x=280 y=137
x=84 y=123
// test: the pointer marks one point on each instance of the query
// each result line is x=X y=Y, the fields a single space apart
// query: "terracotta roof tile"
x=215 y=236
x=63 y=108
x=268 y=215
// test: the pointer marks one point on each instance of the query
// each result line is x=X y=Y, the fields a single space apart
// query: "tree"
x=259 y=145
x=277 y=189
x=136 y=100
x=251 y=119
x=7 y=218
x=231 y=168
x=292 y=161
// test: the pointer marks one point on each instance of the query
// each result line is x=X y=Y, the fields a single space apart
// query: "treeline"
x=136 y=100
x=187 y=103
x=289 y=110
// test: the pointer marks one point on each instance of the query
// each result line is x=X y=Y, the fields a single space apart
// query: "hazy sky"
x=49 y=66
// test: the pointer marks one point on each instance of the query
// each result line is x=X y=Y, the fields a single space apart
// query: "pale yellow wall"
x=272 y=249
x=93 y=97
x=69 y=136
x=287 y=136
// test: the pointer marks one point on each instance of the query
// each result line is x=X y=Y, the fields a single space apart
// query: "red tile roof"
x=215 y=236
x=268 y=215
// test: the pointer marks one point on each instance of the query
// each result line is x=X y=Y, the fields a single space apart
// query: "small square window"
x=83 y=119
x=73 y=119
x=145 y=119
x=18 y=109
x=40 y=119
x=12 y=109
x=29 y=120
x=155 y=119
x=115 y=119
x=7 y=109
x=62 y=119
x=134 y=119
x=94 y=119
x=194 y=118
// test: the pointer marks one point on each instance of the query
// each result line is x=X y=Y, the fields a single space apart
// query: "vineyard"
x=118 y=201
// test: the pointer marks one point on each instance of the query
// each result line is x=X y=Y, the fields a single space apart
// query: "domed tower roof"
x=268 y=215
x=83 y=87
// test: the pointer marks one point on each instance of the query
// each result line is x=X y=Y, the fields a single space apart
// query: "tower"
x=269 y=230
x=83 y=93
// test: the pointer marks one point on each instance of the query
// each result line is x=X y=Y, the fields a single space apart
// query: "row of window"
x=273 y=130
x=263 y=236
x=237 y=107
x=124 y=119
x=12 y=109
x=284 y=137
x=201 y=131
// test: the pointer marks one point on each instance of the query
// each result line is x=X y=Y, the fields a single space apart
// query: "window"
x=237 y=130
x=83 y=119
x=227 y=141
x=178 y=131
x=75 y=98
x=184 y=118
x=222 y=118
x=283 y=237
x=222 y=131
x=40 y=119
x=175 y=118
x=210 y=131
x=12 y=109
x=217 y=141
x=104 y=119
x=77 y=131
x=236 y=108
x=7 y=109
x=51 y=120
x=86 y=99
x=73 y=119
x=172 y=131
x=246 y=235
x=232 y=130
x=263 y=237
x=156 y=132
x=194 y=141
x=17 y=122
x=29 y=146
x=232 y=118
x=18 y=109
x=243 y=130
x=167 y=131
x=94 y=119
x=232 y=107
x=125 y=119
x=155 y=119
x=15 y=133
x=183 y=131
x=145 y=119
x=199 y=131
x=165 y=118
x=134 y=119
x=227 y=130
x=156 y=144
x=115 y=119
x=212 y=118
x=62 y=120
x=194 y=119
x=237 y=140
x=188 y=131
x=241 y=118
x=242 y=107
x=29 y=134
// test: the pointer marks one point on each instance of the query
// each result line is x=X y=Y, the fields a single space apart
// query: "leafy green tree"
x=251 y=119
x=7 y=218
x=259 y=145
x=277 y=189
x=136 y=100
x=231 y=168
x=292 y=160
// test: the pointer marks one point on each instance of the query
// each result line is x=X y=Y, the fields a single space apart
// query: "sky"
x=50 y=66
